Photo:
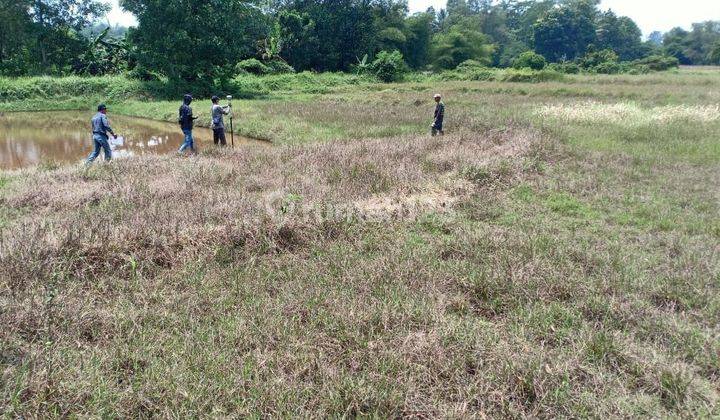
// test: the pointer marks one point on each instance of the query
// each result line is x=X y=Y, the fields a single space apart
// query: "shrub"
x=475 y=74
x=607 y=68
x=566 y=67
x=279 y=67
x=595 y=58
x=658 y=62
x=481 y=74
x=16 y=65
x=108 y=87
x=470 y=65
x=639 y=69
x=252 y=66
x=530 y=76
x=714 y=56
x=248 y=85
x=142 y=73
x=530 y=60
x=388 y=66
x=470 y=70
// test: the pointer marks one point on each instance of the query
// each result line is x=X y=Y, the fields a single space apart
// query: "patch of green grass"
x=524 y=193
x=567 y=205
x=553 y=325
x=435 y=224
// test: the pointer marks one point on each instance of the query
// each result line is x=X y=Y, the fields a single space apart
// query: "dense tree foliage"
x=210 y=41
x=530 y=60
x=43 y=36
x=715 y=54
x=460 y=42
x=194 y=40
x=418 y=31
x=15 y=40
x=565 y=32
x=696 y=46
x=332 y=34
x=620 y=34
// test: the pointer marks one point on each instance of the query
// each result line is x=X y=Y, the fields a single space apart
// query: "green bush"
x=107 y=87
x=658 y=62
x=482 y=74
x=471 y=70
x=118 y=88
x=530 y=76
x=714 y=56
x=279 y=67
x=594 y=58
x=639 y=69
x=142 y=73
x=388 y=66
x=252 y=66
x=16 y=64
x=471 y=65
x=478 y=74
x=248 y=85
x=503 y=75
x=530 y=60
x=450 y=76
x=566 y=67
x=607 y=68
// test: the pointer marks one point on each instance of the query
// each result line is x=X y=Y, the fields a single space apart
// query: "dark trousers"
x=437 y=127
x=219 y=136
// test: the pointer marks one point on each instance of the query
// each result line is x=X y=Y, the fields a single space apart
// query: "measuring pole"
x=232 y=136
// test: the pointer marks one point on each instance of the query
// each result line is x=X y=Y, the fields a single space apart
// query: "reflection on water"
x=27 y=139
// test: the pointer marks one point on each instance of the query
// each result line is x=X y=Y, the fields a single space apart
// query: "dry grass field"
x=554 y=255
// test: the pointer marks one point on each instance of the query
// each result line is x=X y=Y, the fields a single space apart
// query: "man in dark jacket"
x=186 y=120
x=100 y=128
x=439 y=116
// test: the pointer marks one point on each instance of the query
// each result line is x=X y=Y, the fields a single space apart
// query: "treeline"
x=699 y=46
x=214 y=40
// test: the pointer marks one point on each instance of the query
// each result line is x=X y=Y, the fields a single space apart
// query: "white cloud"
x=650 y=15
x=119 y=17
x=422 y=5
x=663 y=15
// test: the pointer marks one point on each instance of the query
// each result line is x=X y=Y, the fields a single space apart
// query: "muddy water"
x=28 y=139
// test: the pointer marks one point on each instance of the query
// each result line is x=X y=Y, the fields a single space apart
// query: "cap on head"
x=101 y=107
x=214 y=99
x=187 y=98
x=437 y=96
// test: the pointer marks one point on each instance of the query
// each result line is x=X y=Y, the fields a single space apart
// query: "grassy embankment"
x=554 y=255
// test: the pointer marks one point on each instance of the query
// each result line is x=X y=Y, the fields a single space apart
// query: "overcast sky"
x=651 y=15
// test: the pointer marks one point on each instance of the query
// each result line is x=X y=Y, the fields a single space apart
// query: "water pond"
x=28 y=139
